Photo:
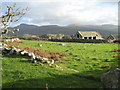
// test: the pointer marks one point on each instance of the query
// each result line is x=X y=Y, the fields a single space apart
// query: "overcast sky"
x=65 y=12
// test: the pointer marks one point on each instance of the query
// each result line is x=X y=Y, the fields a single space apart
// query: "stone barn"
x=87 y=35
x=111 y=38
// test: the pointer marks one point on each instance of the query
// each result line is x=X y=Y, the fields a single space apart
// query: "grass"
x=82 y=67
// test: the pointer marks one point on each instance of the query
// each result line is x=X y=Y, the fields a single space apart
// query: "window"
x=78 y=36
x=85 y=37
x=90 y=37
x=94 y=37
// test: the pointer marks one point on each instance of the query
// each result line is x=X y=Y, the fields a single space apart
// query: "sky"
x=66 y=12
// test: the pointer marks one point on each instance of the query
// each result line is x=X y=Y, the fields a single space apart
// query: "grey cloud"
x=64 y=13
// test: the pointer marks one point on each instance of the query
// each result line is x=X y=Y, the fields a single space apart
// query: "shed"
x=111 y=37
x=87 y=35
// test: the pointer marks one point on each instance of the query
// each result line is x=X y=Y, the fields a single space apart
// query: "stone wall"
x=79 y=40
x=23 y=53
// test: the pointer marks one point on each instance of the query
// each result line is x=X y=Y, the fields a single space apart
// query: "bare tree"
x=10 y=16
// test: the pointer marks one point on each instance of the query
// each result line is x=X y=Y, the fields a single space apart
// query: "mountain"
x=70 y=29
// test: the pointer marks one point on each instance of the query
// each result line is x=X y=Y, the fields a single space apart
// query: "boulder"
x=44 y=59
x=24 y=53
x=33 y=56
x=29 y=54
x=12 y=51
x=110 y=78
x=34 y=61
x=18 y=52
x=52 y=61
x=38 y=58
x=8 y=49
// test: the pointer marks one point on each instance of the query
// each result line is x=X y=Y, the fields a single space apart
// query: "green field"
x=82 y=67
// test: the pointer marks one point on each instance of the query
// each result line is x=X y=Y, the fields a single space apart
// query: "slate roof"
x=89 y=33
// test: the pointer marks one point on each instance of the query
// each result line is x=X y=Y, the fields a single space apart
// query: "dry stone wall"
x=79 y=40
x=23 y=53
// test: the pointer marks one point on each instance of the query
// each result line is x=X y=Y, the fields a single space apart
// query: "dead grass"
x=116 y=50
x=14 y=43
x=46 y=54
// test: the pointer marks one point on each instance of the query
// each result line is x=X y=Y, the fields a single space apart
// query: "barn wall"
x=75 y=36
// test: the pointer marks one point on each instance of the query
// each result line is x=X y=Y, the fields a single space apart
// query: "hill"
x=70 y=29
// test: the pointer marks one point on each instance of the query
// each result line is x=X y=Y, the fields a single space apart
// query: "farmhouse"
x=87 y=35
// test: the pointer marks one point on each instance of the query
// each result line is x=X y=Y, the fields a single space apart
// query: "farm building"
x=87 y=35
x=111 y=38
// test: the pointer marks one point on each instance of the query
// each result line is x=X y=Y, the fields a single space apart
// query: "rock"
x=107 y=60
x=2 y=48
x=0 y=44
x=105 y=66
x=75 y=65
x=12 y=51
x=39 y=58
x=24 y=53
x=7 y=49
x=74 y=70
x=44 y=59
x=40 y=45
x=52 y=61
x=29 y=54
x=110 y=78
x=5 y=45
x=94 y=58
x=58 y=67
x=48 y=62
x=34 y=61
x=75 y=55
x=33 y=56
x=66 y=50
x=79 y=59
x=62 y=44
x=18 y=51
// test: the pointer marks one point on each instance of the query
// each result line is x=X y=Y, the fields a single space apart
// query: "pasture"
x=82 y=66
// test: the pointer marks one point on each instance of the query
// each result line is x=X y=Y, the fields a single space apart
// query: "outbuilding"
x=87 y=35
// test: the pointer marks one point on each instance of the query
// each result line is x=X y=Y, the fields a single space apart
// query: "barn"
x=87 y=35
x=111 y=38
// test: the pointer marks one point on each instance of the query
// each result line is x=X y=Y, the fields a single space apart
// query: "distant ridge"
x=105 y=29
